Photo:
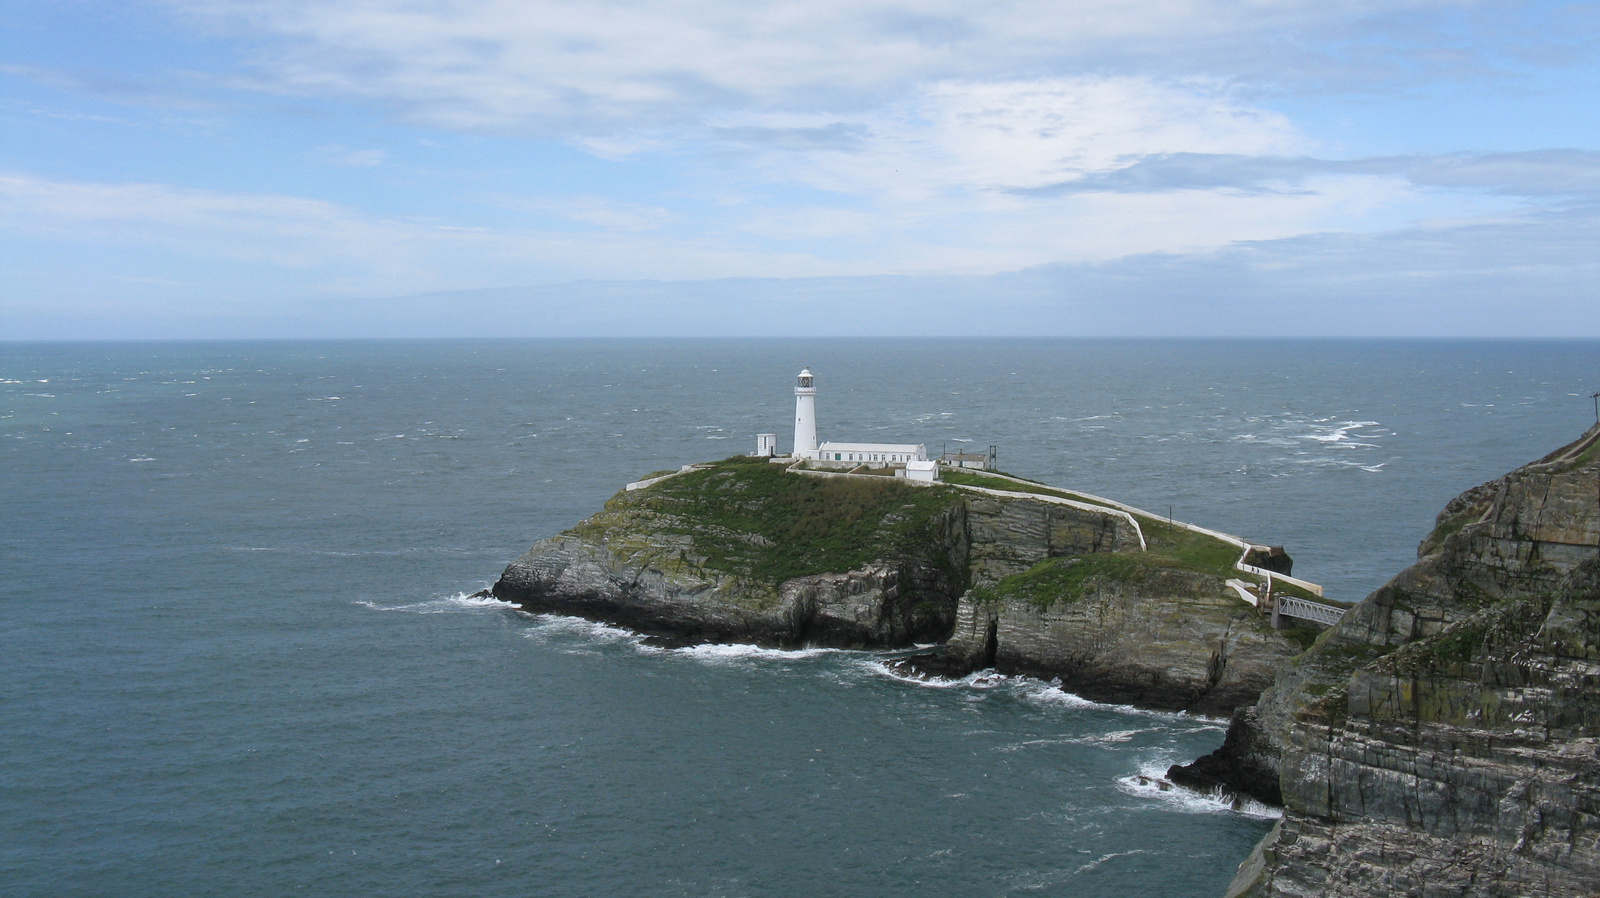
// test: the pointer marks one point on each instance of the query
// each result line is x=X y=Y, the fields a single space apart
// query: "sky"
x=349 y=168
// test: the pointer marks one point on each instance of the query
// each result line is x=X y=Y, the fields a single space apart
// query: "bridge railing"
x=1304 y=609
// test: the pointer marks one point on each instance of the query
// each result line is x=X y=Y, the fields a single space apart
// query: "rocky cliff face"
x=1442 y=739
x=1131 y=633
x=1061 y=593
x=722 y=555
x=892 y=603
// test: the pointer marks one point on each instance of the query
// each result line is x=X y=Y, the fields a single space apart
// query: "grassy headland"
x=750 y=518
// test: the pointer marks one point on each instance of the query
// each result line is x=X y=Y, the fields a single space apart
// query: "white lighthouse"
x=805 y=417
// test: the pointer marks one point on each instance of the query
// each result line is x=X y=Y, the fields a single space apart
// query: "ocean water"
x=238 y=657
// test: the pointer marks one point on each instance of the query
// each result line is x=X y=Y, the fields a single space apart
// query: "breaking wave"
x=1150 y=782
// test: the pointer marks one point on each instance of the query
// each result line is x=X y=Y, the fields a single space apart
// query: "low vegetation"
x=989 y=481
x=1064 y=580
x=748 y=517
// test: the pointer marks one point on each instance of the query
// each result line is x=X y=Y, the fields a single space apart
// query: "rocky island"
x=1440 y=738
x=1444 y=738
x=1007 y=574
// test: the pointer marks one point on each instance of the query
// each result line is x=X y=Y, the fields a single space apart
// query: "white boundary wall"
x=652 y=481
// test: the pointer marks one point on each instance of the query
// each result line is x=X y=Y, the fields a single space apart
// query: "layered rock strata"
x=1442 y=739
x=1146 y=635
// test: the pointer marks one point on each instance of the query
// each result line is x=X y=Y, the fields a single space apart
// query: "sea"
x=242 y=655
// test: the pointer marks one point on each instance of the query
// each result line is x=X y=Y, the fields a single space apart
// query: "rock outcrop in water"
x=743 y=551
x=1444 y=738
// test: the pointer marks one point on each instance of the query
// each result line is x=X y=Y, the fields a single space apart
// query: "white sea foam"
x=446 y=605
x=723 y=653
x=1341 y=433
x=1043 y=693
x=983 y=679
x=1151 y=783
x=547 y=625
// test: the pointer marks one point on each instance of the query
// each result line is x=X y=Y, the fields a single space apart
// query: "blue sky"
x=220 y=168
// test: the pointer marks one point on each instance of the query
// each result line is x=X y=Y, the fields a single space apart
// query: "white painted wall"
x=805 y=416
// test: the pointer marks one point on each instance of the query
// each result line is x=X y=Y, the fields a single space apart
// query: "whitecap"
x=1340 y=432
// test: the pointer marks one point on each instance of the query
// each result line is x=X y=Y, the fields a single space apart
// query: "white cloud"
x=1019 y=134
x=593 y=68
x=949 y=180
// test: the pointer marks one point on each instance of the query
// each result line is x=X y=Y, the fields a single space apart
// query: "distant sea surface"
x=237 y=657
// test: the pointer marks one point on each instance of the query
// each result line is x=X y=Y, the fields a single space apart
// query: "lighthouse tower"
x=805 y=417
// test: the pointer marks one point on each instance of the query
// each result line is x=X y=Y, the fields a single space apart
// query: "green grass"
x=1190 y=550
x=748 y=517
x=987 y=481
x=1064 y=580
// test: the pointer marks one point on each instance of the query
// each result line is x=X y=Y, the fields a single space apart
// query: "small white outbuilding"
x=926 y=470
